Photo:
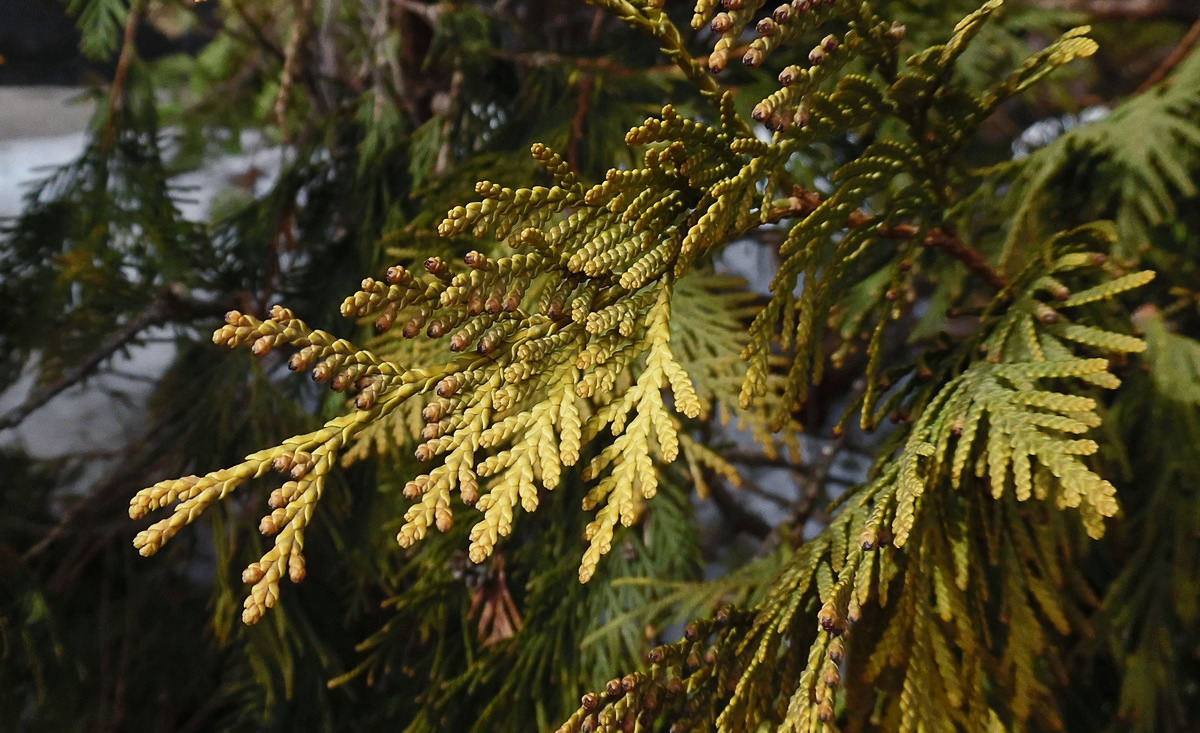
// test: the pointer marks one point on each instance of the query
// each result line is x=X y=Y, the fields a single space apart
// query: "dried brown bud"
x=300 y=468
x=782 y=14
x=296 y=567
x=829 y=618
x=283 y=462
x=448 y=386
x=761 y=112
x=475 y=260
x=385 y=320
x=397 y=275
x=830 y=43
x=435 y=266
x=253 y=573
x=837 y=650
x=717 y=61
x=267 y=525
x=297 y=362
x=413 y=489
x=800 y=119
x=590 y=701
x=261 y=346
x=340 y=382
x=613 y=688
x=825 y=712
x=233 y=318
x=722 y=22
x=895 y=34
x=413 y=327
x=436 y=330
x=433 y=411
x=766 y=27
x=468 y=491
x=816 y=56
x=423 y=452
x=322 y=372
x=754 y=57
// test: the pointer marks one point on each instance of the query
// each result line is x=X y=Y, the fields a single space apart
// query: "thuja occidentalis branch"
x=803 y=202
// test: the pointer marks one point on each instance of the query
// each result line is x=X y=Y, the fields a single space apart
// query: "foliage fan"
x=583 y=346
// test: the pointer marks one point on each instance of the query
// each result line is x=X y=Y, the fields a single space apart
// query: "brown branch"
x=1125 y=9
x=116 y=94
x=586 y=84
x=949 y=243
x=167 y=306
x=803 y=202
x=1186 y=45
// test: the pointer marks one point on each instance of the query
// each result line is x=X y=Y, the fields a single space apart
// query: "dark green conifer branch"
x=589 y=295
x=572 y=340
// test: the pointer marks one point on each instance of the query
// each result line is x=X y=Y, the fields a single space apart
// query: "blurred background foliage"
x=385 y=118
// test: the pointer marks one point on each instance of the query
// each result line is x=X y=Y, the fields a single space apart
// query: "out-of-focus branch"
x=168 y=307
x=1179 y=54
x=1126 y=9
x=116 y=93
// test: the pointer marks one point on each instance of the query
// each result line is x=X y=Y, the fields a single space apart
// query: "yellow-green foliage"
x=592 y=330
x=906 y=543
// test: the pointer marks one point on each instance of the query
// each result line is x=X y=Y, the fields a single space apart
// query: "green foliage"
x=1025 y=325
x=1143 y=154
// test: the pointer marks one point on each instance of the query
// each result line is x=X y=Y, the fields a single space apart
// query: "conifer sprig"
x=901 y=560
x=587 y=295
